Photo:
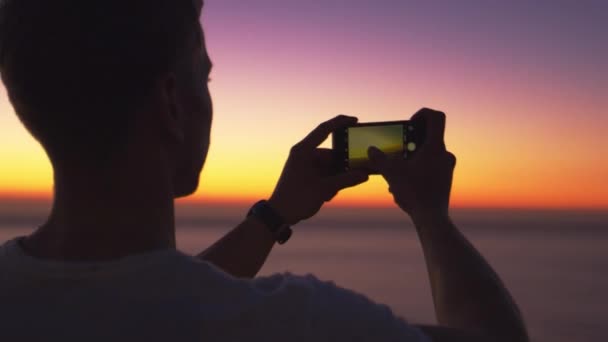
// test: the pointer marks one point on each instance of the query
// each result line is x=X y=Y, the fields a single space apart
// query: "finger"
x=434 y=125
x=331 y=196
x=346 y=180
x=451 y=159
x=378 y=159
x=319 y=134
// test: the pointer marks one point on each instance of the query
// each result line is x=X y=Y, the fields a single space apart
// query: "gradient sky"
x=524 y=85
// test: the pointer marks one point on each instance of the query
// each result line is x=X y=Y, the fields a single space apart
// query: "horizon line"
x=45 y=198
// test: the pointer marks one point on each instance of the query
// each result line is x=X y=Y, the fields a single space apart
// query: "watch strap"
x=271 y=219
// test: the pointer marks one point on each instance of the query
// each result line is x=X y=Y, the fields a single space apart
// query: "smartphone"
x=398 y=139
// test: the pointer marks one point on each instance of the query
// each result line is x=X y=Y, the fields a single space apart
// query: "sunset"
x=523 y=88
x=508 y=245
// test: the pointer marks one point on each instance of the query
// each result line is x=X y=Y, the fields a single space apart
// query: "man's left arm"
x=307 y=182
x=242 y=251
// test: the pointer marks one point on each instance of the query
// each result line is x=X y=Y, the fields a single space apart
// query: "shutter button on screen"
x=411 y=147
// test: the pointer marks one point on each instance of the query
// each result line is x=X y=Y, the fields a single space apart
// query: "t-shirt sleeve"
x=337 y=314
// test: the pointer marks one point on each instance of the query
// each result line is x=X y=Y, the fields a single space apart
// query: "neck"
x=106 y=214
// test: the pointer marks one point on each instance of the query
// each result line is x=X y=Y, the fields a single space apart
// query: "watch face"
x=283 y=234
x=265 y=214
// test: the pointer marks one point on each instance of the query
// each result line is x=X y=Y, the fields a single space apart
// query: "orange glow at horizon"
x=498 y=167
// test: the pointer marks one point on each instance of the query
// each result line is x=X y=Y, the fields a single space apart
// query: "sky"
x=524 y=85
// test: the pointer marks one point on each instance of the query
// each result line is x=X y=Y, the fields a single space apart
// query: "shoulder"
x=335 y=313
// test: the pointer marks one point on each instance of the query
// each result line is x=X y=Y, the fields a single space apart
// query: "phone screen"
x=388 y=138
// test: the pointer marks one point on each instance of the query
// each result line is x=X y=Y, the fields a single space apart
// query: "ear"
x=170 y=112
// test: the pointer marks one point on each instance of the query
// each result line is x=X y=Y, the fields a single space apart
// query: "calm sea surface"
x=555 y=264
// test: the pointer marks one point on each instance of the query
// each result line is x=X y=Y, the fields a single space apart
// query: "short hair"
x=74 y=70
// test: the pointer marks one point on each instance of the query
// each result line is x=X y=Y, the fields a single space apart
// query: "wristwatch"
x=271 y=219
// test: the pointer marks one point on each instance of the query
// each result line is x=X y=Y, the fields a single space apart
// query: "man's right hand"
x=471 y=302
x=421 y=184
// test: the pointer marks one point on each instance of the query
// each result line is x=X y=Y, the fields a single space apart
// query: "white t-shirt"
x=171 y=296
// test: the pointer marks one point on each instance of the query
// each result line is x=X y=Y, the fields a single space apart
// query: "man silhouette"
x=115 y=91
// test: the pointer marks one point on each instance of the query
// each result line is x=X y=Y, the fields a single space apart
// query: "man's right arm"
x=471 y=303
x=468 y=294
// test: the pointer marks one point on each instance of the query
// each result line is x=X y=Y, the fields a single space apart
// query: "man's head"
x=90 y=79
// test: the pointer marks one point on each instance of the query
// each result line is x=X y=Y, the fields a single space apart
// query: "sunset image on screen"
x=388 y=139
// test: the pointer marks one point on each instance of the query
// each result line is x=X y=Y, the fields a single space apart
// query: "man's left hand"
x=308 y=179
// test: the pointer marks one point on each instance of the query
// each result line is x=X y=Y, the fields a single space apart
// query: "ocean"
x=555 y=263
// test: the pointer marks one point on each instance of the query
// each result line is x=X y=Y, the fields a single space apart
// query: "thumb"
x=377 y=158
